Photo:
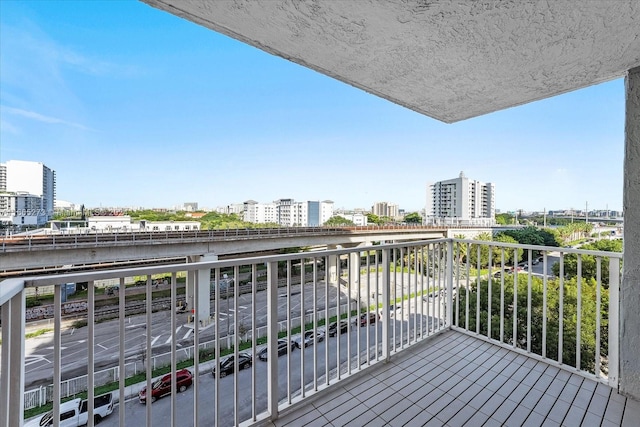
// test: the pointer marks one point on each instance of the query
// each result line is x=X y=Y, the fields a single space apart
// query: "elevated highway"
x=51 y=251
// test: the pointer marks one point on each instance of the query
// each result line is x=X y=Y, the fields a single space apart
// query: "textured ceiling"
x=447 y=60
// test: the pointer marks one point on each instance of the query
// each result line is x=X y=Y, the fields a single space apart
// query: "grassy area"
x=35 y=333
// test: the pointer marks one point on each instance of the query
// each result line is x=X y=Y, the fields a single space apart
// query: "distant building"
x=124 y=224
x=288 y=212
x=29 y=192
x=358 y=218
x=259 y=213
x=460 y=201
x=190 y=206
x=389 y=210
x=21 y=209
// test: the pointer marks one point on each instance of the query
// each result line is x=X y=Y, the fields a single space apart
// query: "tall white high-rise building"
x=460 y=201
x=32 y=178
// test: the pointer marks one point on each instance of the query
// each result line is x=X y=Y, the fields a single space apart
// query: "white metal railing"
x=391 y=297
x=565 y=315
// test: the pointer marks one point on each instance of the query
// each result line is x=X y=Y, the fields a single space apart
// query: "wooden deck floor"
x=458 y=380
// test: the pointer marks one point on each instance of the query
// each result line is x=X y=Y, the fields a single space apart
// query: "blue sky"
x=132 y=106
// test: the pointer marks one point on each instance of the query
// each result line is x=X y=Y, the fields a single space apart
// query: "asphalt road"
x=289 y=370
x=39 y=350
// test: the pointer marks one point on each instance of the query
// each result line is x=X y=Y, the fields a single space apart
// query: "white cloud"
x=41 y=118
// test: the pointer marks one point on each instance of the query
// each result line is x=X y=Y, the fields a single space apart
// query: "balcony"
x=436 y=332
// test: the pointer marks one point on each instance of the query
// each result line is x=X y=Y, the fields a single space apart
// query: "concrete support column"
x=334 y=263
x=204 y=283
x=630 y=289
x=12 y=374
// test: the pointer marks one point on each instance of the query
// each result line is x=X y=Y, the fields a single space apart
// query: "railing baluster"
x=579 y=312
x=315 y=325
x=149 y=352
x=216 y=327
x=515 y=299
x=614 y=289
x=326 y=322
x=289 y=315
x=502 y=295
x=90 y=350
x=489 y=282
x=598 y=315
x=368 y=333
x=236 y=344
x=272 y=340
x=57 y=350
x=468 y=264
x=386 y=279
x=395 y=302
x=560 y=307
x=529 y=285
x=302 y=329
x=449 y=276
x=544 y=305
x=174 y=408
x=478 y=289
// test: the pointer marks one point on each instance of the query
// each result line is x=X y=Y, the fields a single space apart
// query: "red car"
x=372 y=317
x=162 y=386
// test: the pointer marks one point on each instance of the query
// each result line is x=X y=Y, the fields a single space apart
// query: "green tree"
x=489 y=319
x=504 y=219
x=338 y=221
x=590 y=262
x=373 y=219
x=496 y=254
x=413 y=218
x=481 y=251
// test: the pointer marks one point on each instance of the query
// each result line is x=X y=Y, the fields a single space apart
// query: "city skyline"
x=134 y=107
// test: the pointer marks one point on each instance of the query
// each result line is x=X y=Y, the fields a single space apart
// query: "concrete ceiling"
x=447 y=60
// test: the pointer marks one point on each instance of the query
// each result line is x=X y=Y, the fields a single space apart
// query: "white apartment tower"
x=460 y=201
x=259 y=213
x=33 y=179
x=289 y=213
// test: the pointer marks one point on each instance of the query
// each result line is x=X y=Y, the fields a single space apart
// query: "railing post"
x=386 y=280
x=614 y=321
x=272 y=339
x=12 y=372
x=449 y=307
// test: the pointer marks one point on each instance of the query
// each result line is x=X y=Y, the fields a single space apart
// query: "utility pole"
x=545 y=217
x=586 y=212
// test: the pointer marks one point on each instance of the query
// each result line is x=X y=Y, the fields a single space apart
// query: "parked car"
x=74 y=412
x=227 y=364
x=283 y=345
x=162 y=386
x=371 y=317
x=332 y=330
x=310 y=338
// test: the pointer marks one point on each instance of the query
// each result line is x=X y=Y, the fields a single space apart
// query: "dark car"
x=162 y=386
x=371 y=317
x=283 y=345
x=227 y=364
x=333 y=328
